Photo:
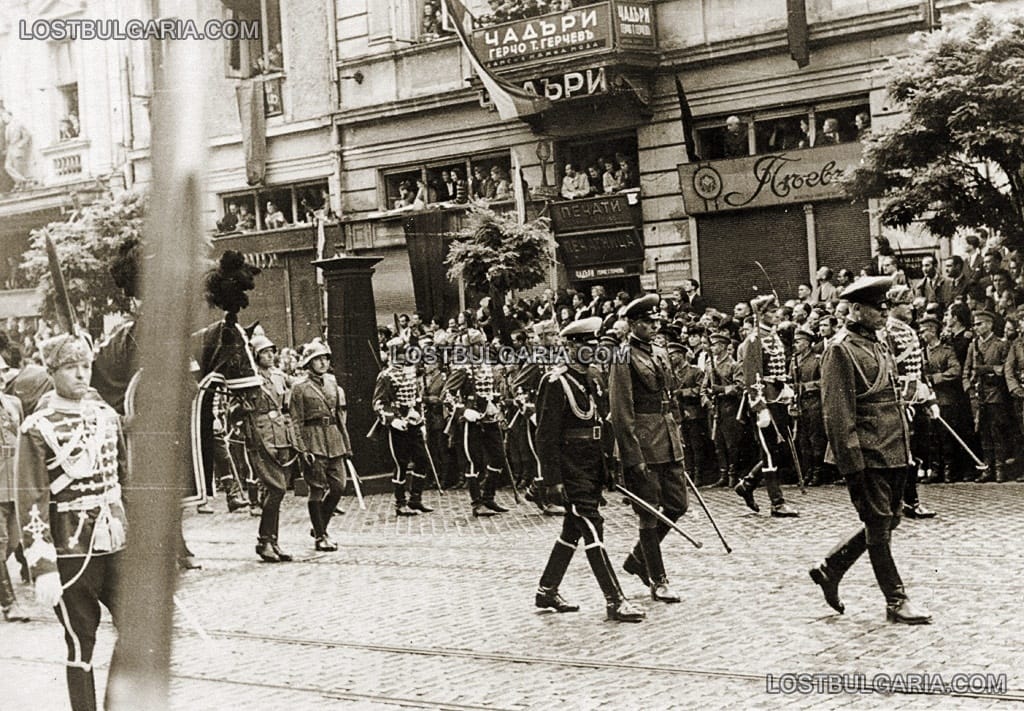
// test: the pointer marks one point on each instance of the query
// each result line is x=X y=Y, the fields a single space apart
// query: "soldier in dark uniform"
x=569 y=448
x=471 y=397
x=642 y=414
x=693 y=419
x=273 y=450
x=318 y=410
x=722 y=389
x=399 y=405
x=985 y=383
x=943 y=372
x=869 y=441
x=71 y=467
x=805 y=372
x=768 y=396
x=438 y=446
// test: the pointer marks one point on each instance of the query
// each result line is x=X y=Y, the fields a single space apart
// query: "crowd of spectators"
x=603 y=176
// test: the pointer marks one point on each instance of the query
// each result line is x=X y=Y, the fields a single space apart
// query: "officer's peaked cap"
x=867 y=290
x=643 y=307
x=584 y=329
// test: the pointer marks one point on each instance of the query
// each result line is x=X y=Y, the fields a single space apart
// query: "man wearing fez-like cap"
x=983 y=381
x=915 y=392
x=642 y=414
x=869 y=441
x=523 y=429
x=569 y=434
x=70 y=470
x=722 y=389
x=805 y=371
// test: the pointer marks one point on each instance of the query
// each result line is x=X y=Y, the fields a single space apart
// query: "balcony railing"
x=66 y=161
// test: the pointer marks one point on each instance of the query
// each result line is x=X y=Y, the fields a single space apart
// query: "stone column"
x=352 y=337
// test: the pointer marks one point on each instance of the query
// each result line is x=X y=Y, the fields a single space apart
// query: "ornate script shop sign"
x=556 y=35
x=771 y=179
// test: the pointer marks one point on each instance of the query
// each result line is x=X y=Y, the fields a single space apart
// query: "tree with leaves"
x=956 y=160
x=495 y=254
x=86 y=245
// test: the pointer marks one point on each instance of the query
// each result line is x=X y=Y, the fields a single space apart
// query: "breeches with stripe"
x=407 y=448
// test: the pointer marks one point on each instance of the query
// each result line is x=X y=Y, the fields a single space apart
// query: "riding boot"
x=81 y=689
x=401 y=508
x=897 y=607
x=314 y=517
x=732 y=478
x=722 y=480
x=745 y=489
x=650 y=542
x=233 y=493
x=265 y=550
x=547 y=591
x=489 y=487
x=837 y=562
x=416 y=496
x=617 y=606
x=476 y=497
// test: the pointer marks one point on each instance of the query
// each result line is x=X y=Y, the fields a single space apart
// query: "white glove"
x=764 y=418
x=786 y=393
x=414 y=417
x=933 y=411
x=399 y=424
x=491 y=411
x=471 y=415
x=49 y=589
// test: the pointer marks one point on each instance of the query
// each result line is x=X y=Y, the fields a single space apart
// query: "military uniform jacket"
x=983 y=370
x=1014 y=368
x=472 y=387
x=805 y=371
x=71 y=465
x=271 y=422
x=641 y=406
x=764 y=359
x=10 y=422
x=569 y=430
x=397 y=394
x=433 y=402
x=865 y=421
x=942 y=370
x=318 y=411
x=688 y=381
x=906 y=349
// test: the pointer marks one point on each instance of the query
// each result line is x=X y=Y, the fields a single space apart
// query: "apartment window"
x=262 y=55
x=274 y=207
x=483 y=176
x=614 y=155
x=65 y=82
x=784 y=129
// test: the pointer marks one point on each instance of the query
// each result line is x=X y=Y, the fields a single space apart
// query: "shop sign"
x=570 y=85
x=596 y=212
x=634 y=25
x=601 y=249
x=556 y=35
x=797 y=176
x=619 y=270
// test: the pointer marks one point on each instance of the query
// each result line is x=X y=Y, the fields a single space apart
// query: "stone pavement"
x=437 y=612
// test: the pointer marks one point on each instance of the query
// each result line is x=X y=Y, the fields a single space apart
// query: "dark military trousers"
x=326 y=478
x=408 y=449
x=663 y=486
x=775 y=441
x=79 y=612
x=481 y=457
x=728 y=434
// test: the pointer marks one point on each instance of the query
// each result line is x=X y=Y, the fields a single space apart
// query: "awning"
x=602 y=254
x=20 y=303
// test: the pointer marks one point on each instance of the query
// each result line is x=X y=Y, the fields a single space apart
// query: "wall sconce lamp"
x=358 y=76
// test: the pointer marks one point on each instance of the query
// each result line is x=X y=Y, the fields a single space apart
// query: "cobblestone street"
x=437 y=612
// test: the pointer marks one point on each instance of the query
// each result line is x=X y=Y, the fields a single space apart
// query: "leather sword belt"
x=92 y=501
x=322 y=421
x=588 y=433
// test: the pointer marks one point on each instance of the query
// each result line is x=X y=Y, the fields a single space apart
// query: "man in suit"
x=956 y=283
x=929 y=286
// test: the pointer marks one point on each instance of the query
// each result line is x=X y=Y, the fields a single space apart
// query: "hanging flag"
x=796 y=33
x=686 y=117
x=253 y=119
x=518 y=188
x=510 y=100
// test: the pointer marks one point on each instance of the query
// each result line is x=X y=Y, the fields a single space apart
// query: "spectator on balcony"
x=431 y=20
x=229 y=223
x=422 y=197
x=66 y=130
x=735 y=142
x=594 y=176
x=863 y=123
x=610 y=179
x=446 y=188
x=627 y=174
x=482 y=187
x=502 y=188
x=829 y=133
x=246 y=221
x=461 y=189
x=274 y=219
x=76 y=127
x=574 y=185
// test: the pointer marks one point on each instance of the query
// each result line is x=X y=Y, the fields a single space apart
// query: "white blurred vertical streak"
x=140 y=669
x=517 y=188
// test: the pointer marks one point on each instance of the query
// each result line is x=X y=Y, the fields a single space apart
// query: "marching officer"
x=572 y=464
x=476 y=419
x=985 y=382
x=642 y=415
x=869 y=441
x=769 y=395
x=71 y=467
x=273 y=450
x=319 y=412
x=805 y=372
x=398 y=402
x=722 y=389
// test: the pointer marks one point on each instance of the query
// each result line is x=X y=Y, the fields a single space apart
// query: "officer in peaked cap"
x=869 y=441
x=805 y=373
x=643 y=416
x=984 y=381
x=569 y=447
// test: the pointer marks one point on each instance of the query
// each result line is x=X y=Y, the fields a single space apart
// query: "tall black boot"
x=476 y=497
x=837 y=562
x=314 y=504
x=81 y=689
x=416 y=496
x=747 y=485
x=233 y=493
x=650 y=543
x=401 y=507
x=897 y=607
x=490 y=487
x=547 y=592
x=12 y=611
x=617 y=606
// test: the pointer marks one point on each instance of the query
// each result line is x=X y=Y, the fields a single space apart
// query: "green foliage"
x=495 y=254
x=956 y=160
x=86 y=245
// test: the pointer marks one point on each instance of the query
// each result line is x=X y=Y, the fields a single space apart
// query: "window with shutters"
x=409 y=20
x=261 y=55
